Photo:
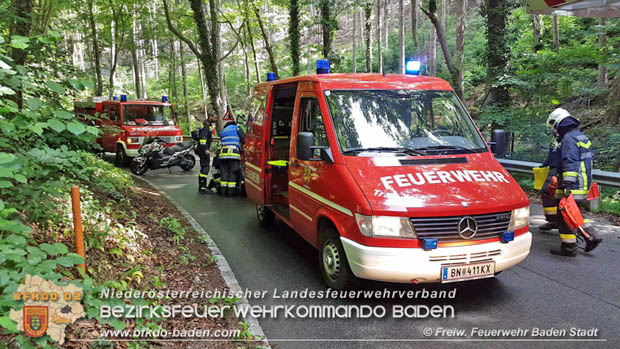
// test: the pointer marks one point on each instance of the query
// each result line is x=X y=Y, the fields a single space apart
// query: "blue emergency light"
x=322 y=66
x=114 y=98
x=507 y=236
x=272 y=77
x=429 y=244
x=164 y=99
x=412 y=67
x=123 y=98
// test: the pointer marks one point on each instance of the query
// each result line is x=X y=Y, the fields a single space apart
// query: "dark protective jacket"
x=576 y=160
x=553 y=159
x=205 y=135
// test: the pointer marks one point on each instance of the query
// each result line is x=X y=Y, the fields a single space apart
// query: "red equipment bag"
x=594 y=193
x=571 y=212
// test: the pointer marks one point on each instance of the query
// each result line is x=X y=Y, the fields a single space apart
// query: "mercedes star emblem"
x=467 y=227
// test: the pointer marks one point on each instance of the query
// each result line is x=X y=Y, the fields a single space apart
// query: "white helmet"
x=556 y=117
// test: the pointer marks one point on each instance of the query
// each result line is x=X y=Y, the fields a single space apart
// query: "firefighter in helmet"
x=232 y=137
x=204 y=137
x=574 y=174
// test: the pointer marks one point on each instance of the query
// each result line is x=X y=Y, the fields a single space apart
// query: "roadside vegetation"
x=135 y=239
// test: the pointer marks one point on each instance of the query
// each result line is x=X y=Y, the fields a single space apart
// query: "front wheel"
x=121 y=159
x=139 y=167
x=333 y=261
x=188 y=162
x=265 y=215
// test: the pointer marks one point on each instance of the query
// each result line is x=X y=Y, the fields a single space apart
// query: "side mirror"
x=305 y=140
x=499 y=143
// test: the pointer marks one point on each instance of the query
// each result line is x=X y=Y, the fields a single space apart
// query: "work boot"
x=592 y=244
x=547 y=226
x=566 y=249
x=202 y=185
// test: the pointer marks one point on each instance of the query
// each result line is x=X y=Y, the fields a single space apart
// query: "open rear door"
x=254 y=149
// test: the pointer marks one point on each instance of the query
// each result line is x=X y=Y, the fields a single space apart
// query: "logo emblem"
x=467 y=227
x=464 y=203
x=307 y=176
x=35 y=320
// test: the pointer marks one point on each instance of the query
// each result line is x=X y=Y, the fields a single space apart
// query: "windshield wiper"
x=446 y=147
x=386 y=149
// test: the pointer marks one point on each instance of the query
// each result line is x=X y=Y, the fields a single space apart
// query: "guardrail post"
x=77 y=224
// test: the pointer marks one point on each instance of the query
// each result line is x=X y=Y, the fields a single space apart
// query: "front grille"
x=445 y=229
x=168 y=139
x=466 y=257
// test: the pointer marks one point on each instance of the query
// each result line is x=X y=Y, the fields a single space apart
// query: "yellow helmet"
x=556 y=117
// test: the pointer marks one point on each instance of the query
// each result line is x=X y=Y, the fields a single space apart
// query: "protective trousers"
x=228 y=181
x=204 y=171
x=550 y=204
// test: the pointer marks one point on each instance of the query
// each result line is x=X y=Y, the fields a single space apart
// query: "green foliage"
x=175 y=226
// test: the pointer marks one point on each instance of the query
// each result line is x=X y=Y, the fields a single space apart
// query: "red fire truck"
x=386 y=175
x=125 y=124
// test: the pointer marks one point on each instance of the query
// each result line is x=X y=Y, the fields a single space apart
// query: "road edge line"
x=222 y=264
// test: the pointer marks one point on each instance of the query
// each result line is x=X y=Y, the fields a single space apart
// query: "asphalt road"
x=543 y=292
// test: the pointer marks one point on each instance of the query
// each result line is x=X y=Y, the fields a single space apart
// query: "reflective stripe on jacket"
x=230 y=136
x=576 y=163
x=230 y=152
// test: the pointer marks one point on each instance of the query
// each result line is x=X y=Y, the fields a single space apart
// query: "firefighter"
x=202 y=150
x=550 y=204
x=232 y=137
x=574 y=173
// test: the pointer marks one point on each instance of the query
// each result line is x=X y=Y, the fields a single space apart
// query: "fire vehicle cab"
x=126 y=123
x=387 y=176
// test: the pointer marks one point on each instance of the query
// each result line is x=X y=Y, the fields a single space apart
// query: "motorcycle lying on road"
x=153 y=155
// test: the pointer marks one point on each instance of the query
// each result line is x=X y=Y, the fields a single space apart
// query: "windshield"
x=410 y=121
x=153 y=114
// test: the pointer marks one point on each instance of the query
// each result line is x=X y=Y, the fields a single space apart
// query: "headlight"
x=519 y=218
x=133 y=140
x=178 y=139
x=385 y=226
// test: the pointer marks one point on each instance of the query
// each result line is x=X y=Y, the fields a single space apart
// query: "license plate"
x=467 y=271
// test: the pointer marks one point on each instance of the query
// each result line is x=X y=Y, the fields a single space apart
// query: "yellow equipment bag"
x=540 y=175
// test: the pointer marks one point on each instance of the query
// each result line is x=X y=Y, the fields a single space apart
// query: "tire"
x=139 y=169
x=121 y=159
x=265 y=216
x=333 y=261
x=188 y=163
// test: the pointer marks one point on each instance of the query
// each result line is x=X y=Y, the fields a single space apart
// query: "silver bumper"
x=404 y=265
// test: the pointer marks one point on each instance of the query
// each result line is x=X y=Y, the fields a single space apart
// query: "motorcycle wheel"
x=188 y=162
x=139 y=168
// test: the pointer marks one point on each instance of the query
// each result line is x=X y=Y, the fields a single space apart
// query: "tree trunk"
x=441 y=35
x=379 y=36
x=602 y=69
x=414 y=22
x=184 y=78
x=134 y=59
x=93 y=28
x=173 y=72
x=613 y=101
x=154 y=46
x=326 y=27
x=293 y=33
x=556 y=33
x=432 y=53
x=221 y=72
x=118 y=35
x=354 y=41
x=497 y=52
x=386 y=25
x=368 y=31
x=142 y=62
x=203 y=89
x=272 y=60
x=251 y=37
x=20 y=26
x=461 y=7
x=401 y=36
x=537 y=27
